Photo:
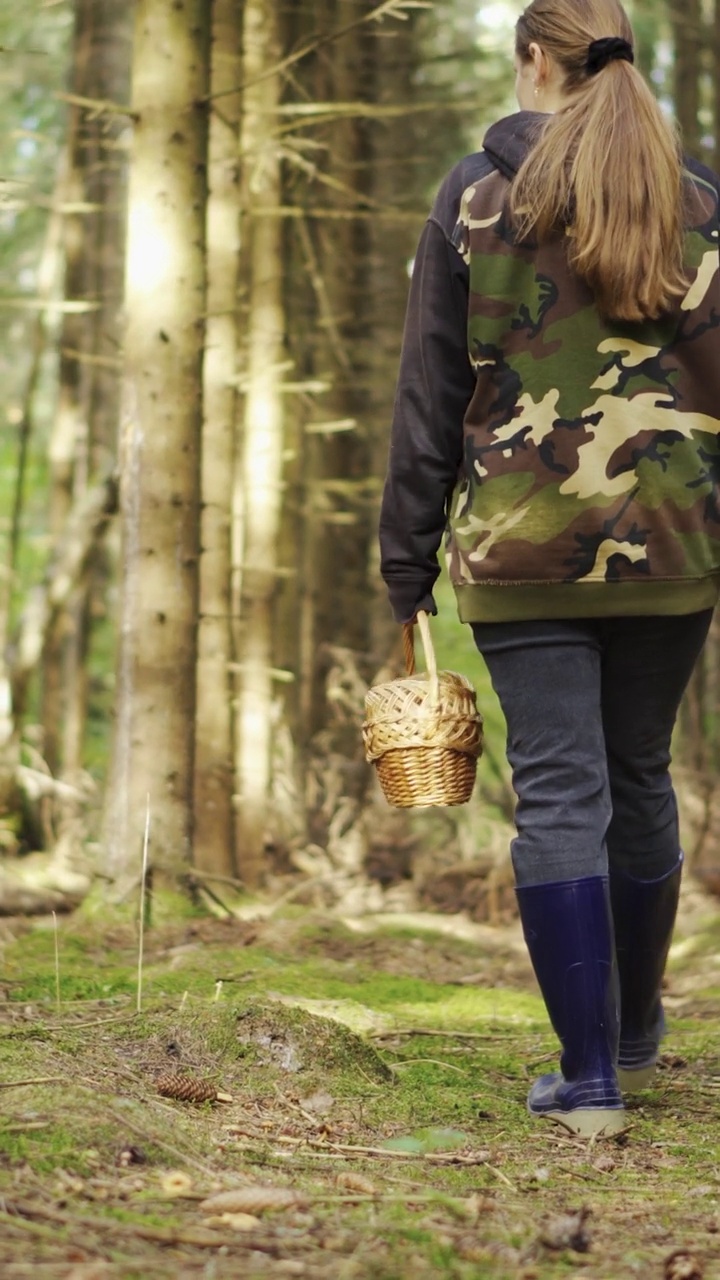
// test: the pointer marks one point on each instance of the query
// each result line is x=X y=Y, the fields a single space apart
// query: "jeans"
x=590 y=706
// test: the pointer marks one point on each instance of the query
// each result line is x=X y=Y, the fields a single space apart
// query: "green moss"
x=301 y=1041
x=463 y=1073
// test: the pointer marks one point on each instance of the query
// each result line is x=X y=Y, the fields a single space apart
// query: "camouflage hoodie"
x=573 y=463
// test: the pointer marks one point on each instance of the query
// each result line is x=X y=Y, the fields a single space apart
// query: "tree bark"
x=108 y=75
x=106 y=180
x=337 y=507
x=84 y=443
x=214 y=815
x=687 y=31
x=68 y=440
x=83 y=533
x=397 y=181
x=48 y=273
x=261 y=463
x=160 y=440
x=715 y=81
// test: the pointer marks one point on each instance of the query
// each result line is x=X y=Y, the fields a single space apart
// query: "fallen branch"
x=147 y=1135
x=22 y=1084
x=160 y=1235
x=41 y=1028
x=473 y=1158
x=434 y=1062
x=409 y=1032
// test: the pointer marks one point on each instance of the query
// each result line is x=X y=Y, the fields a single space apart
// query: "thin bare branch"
x=399 y=216
x=98 y=106
x=318 y=283
x=388 y=9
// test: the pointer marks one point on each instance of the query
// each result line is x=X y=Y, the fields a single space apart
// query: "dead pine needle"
x=143 y=888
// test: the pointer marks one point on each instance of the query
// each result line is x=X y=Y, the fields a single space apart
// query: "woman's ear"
x=540 y=64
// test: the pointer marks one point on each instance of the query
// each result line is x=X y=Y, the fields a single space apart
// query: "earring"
x=537 y=91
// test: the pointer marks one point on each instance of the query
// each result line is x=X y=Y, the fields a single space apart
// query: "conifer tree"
x=160 y=444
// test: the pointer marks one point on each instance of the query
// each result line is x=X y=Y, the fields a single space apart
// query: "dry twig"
x=160 y=1235
x=21 y=1084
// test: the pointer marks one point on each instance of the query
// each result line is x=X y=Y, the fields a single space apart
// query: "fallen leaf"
x=567 y=1231
x=356 y=1182
x=251 y=1200
x=235 y=1221
x=475 y=1204
x=176 y=1183
x=67 y=1182
x=90 y=1271
x=427 y=1140
x=319 y=1103
x=671 y=1062
x=682 y=1265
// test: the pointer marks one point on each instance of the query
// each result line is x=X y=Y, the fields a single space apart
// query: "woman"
x=558 y=409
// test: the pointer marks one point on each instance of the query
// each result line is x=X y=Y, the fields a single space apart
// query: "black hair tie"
x=609 y=49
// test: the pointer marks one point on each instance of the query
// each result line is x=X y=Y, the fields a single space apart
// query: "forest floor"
x=370 y=1119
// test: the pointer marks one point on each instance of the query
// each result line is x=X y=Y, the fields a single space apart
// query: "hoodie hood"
x=509 y=141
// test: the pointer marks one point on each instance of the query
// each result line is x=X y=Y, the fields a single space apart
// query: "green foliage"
x=34 y=47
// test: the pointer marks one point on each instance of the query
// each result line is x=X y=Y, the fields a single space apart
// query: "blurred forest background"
x=209 y=210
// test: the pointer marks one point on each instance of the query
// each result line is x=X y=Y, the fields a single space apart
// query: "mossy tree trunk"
x=214 y=817
x=160 y=442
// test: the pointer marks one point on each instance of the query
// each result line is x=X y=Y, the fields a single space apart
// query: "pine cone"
x=185 y=1089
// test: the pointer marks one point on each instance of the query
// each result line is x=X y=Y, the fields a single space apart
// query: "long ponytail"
x=607 y=169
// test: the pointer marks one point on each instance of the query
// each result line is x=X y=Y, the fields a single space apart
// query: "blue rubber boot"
x=644 y=915
x=568 y=931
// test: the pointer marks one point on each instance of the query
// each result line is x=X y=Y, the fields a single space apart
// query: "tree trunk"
x=106 y=185
x=109 y=77
x=85 y=438
x=68 y=440
x=715 y=82
x=262 y=435
x=687 y=31
x=67 y=568
x=160 y=441
x=214 y=818
x=397 y=182
x=338 y=456
x=39 y=336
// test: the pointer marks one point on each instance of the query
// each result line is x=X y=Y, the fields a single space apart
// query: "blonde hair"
x=607 y=168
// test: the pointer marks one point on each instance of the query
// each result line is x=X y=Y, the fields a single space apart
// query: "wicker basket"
x=423 y=732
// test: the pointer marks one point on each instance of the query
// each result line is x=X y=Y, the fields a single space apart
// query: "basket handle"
x=423 y=621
